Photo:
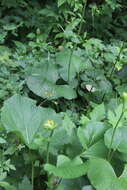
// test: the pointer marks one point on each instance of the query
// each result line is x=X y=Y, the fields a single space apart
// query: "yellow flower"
x=50 y=124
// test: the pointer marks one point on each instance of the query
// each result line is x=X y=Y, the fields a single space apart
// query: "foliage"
x=63 y=95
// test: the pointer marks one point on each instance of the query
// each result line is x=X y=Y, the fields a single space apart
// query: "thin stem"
x=43 y=102
x=117 y=59
x=113 y=68
x=48 y=145
x=75 y=45
x=82 y=18
x=32 y=175
x=69 y=65
x=110 y=153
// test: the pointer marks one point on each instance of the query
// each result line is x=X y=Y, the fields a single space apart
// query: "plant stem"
x=48 y=145
x=113 y=68
x=110 y=153
x=117 y=59
x=32 y=175
x=75 y=45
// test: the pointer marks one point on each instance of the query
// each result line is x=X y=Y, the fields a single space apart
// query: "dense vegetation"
x=63 y=95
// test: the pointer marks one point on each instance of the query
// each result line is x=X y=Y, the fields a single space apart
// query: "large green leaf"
x=20 y=114
x=67 y=168
x=102 y=176
x=42 y=82
x=50 y=90
x=91 y=133
x=48 y=71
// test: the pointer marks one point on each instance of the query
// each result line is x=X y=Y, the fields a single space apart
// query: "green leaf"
x=97 y=150
x=7 y=186
x=49 y=90
x=98 y=113
x=88 y=187
x=58 y=139
x=114 y=116
x=124 y=174
x=102 y=176
x=25 y=184
x=2 y=141
x=61 y=2
x=68 y=125
x=119 y=141
x=67 y=168
x=105 y=86
x=11 y=26
x=65 y=91
x=63 y=59
x=20 y=114
x=122 y=73
x=42 y=82
x=91 y=133
x=3 y=175
x=74 y=147
x=71 y=184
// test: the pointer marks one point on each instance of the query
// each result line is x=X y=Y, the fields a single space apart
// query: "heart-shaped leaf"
x=42 y=82
x=20 y=114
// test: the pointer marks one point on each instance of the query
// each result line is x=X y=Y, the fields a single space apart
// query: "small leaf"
x=114 y=116
x=2 y=141
x=98 y=113
x=61 y=2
